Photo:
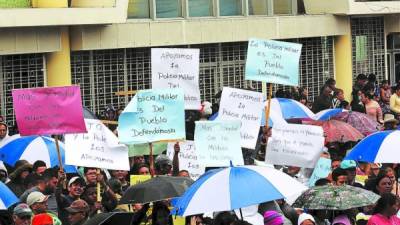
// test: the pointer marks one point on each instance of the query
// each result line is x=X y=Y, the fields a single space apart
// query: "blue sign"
x=273 y=62
x=153 y=115
x=321 y=170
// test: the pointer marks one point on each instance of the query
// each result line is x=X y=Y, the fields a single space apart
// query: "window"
x=283 y=6
x=198 y=8
x=230 y=8
x=258 y=7
x=168 y=8
x=138 y=9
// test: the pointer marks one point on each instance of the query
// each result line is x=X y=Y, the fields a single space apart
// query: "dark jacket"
x=321 y=103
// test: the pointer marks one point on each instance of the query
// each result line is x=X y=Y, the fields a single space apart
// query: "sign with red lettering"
x=45 y=111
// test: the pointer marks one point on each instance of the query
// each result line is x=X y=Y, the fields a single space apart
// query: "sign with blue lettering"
x=153 y=115
x=273 y=62
x=218 y=142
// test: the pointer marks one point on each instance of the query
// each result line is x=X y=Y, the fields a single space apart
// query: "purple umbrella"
x=360 y=121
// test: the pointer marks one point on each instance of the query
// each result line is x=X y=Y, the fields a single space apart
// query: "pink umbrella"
x=360 y=121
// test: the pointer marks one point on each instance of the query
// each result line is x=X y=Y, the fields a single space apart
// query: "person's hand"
x=61 y=176
x=177 y=148
x=193 y=220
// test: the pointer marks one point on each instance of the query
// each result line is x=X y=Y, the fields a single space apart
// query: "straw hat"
x=389 y=118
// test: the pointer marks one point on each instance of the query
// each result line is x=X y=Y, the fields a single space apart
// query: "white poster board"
x=245 y=106
x=187 y=158
x=218 y=143
x=177 y=68
x=295 y=145
x=99 y=148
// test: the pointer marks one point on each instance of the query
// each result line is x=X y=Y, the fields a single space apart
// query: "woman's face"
x=364 y=98
x=384 y=185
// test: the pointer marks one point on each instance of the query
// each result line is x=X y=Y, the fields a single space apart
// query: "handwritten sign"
x=245 y=106
x=177 y=68
x=153 y=115
x=321 y=170
x=137 y=179
x=45 y=111
x=295 y=145
x=218 y=142
x=187 y=158
x=273 y=62
x=98 y=148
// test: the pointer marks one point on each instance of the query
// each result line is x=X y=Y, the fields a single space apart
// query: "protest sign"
x=137 y=179
x=187 y=158
x=245 y=106
x=177 y=68
x=45 y=111
x=321 y=170
x=295 y=145
x=273 y=62
x=144 y=149
x=218 y=142
x=98 y=148
x=153 y=115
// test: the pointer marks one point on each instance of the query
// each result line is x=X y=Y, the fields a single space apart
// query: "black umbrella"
x=156 y=189
x=120 y=218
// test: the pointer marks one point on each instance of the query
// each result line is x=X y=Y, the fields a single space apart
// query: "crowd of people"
x=50 y=196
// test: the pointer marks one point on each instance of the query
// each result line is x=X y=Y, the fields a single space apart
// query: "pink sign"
x=45 y=111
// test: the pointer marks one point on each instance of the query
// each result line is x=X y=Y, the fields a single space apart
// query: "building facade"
x=104 y=45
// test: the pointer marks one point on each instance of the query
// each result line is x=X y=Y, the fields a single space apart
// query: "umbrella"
x=33 y=148
x=87 y=114
x=7 y=197
x=156 y=189
x=329 y=197
x=327 y=114
x=236 y=187
x=380 y=147
x=360 y=121
x=112 y=218
x=337 y=131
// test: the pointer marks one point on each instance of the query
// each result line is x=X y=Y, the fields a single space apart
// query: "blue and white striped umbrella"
x=289 y=109
x=236 y=187
x=379 y=147
x=327 y=114
x=33 y=148
x=7 y=197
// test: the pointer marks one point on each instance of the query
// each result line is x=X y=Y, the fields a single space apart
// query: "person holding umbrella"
x=385 y=211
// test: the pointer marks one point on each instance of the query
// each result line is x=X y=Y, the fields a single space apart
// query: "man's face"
x=121 y=174
x=91 y=176
x=23 y=220
x=24 y=175
x=51 y=184
x=327 y=91
x=76 y=217
x=40 y=170
x=3 y=131
x=39 y=207
x=341 y=180
x=335 y=164
x=75 y=190
x=138 y=159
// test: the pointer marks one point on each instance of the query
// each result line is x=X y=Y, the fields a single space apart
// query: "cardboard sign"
x=98 y=148
x=153 y=115
x=45 y=111
x=321 y=170
x=295 y=145
x=245 y=106
x=144 y=149
x=177 y=68
x=273 y=62
x=218 y=143
x=187 y=158
x=137 y=179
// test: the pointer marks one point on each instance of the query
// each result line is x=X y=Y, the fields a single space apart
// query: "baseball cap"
x=36 y=197
x=76 y=180
x=78 y=206
x=22 y=210
x=348 y=164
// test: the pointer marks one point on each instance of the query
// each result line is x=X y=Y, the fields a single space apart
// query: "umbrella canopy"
x=380 y=147
x=327 y=114
x=288 y=109
x=331 y=197
x=236 y=187
x=33 y=148
x=7 y=197
x=337 y=131
x=360 y=121
x=87 y=114
x=111 y=218
x=156 y=189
